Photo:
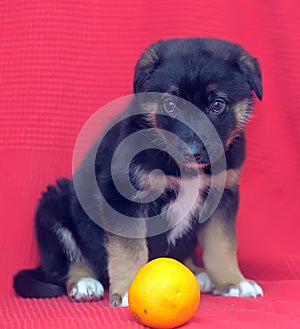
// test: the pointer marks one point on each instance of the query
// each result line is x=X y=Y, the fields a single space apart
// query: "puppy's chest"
x=181 y=212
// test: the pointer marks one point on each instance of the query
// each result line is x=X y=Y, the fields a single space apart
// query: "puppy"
x=193 y=98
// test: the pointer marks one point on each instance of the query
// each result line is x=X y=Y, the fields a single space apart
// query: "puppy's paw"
x=86 y=290
x=204 y=282
x=115 y=300
x=245 y=288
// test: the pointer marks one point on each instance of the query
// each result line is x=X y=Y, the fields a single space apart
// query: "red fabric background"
x=62 y=60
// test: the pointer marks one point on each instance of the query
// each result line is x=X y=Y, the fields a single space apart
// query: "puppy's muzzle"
x=195 y=154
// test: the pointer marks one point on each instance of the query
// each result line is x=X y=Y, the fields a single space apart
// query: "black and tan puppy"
x=173 y=78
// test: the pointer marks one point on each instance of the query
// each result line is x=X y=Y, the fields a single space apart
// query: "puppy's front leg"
x=82 y=284
x=125 y=257
x=218 y=239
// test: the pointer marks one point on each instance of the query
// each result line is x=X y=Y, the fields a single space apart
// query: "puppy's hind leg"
x=126 y=257
x=52 y=216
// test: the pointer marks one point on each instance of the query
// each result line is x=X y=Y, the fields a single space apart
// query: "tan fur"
x=248 y=61
x=232 y=178
x=126 y=257
x=226 y=55
x=189 y=263
x=151 y=107
x=174 y=89
x=219 y=253
x=150 y=56
x=241 y=111
x=233 y=135
x=152 y=117
x=76 y=272
x=211 y=87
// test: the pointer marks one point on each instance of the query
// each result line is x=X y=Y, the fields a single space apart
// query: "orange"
x=164 y=294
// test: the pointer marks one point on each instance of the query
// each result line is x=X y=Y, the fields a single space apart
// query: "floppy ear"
x=147 y=63
x=251 y=69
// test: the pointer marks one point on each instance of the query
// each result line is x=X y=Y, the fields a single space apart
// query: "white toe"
x=232 y=292
x=246 y=289
x=125 y=300
x=204 y=282
x=250 y=289
x=257 y=288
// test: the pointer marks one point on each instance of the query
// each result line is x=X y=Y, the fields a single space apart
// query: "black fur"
x=196 y=70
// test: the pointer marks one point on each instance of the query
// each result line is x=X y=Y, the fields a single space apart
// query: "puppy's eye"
x=218 y=106
x=169 y=105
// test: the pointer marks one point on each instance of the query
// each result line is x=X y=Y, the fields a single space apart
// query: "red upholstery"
x=62 y=60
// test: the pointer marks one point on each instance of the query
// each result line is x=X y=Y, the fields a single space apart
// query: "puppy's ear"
x=147 y=63
x=251 y=69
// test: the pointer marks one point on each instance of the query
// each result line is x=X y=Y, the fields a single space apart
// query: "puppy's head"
x=215 y=76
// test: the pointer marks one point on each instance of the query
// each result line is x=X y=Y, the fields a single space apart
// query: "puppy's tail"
x=36 y=284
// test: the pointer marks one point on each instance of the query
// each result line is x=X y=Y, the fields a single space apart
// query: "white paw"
x=124 y=300
x=204 y=282
x=86 y=289
x=245 y=288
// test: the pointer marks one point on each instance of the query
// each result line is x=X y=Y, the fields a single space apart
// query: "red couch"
x=62 y=60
